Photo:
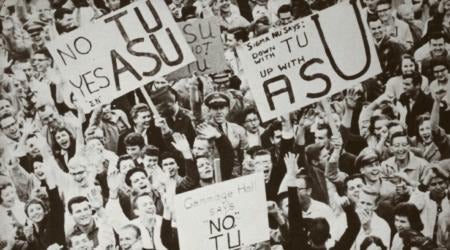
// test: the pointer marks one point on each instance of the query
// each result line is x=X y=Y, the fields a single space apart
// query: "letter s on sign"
x=312 y=77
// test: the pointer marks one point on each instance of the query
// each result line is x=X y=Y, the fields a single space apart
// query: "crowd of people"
x=367 y=168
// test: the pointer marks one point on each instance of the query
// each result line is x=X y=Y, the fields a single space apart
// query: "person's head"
x=80 y=241
x=201 y=146
x=144 y=206
x=27 y=68
x=440 y=69
x=10 y=127
x=322 y=135
x=378 y=125
x=353 y=186
x=65 y=21
x=283 y=203
x=413 y=240
x=319 y=231
x=112 y=4
x=95 y=132
x=406 y=12
x=372 y=243
x=399 y=145
x=150 y=156
x=369 y=163
x=188 y=12
x=134 y=142
x=49 y=115
x=38 y=168
x=262 y=160
x=6 y=106
x=35 y=210
x=169 y=164
x=129 y=236
x=107 y=112
x=377 y=29
x=78 y=170
x=8 y=194
x=166 y=101
x=31 y=145
x=41 y=61
x=219 y=106
x=424 y=134
x=63 y=138
x=224 y=6
x=412 y=84
x=285 y=14
x=371 y=5
x=408 y=65
x=438 y=184
x=384 y=10
x=221 y=81
x=407 y=217
x=304 y=189
x=317 y=155
x=368 y=201
x=137 y=180
x=274 y=133
x=42 y=10
x=81 y=210
x=251 y=120
x=204 y=167
x=437 y=44
x=125 y=163
x=141 y=115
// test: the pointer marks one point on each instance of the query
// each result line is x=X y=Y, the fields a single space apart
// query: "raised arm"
x=192 y=178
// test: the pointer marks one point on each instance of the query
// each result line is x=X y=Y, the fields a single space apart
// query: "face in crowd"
x=205 y=168
x=263 y=164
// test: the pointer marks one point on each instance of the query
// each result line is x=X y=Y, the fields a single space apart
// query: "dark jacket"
x=422 y=104
x=51 y=229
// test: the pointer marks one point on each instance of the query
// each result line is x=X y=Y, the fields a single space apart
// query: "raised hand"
x=161 y=123
x=208 y=131
x=95 y=197
x=4 y=63
x=181 y=143
x=351 y=98
x=290 y=159
x=114 y=180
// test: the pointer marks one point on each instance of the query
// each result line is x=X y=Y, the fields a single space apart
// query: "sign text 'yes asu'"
x=121 y=52
x=309 y=59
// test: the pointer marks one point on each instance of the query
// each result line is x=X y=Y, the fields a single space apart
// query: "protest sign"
x=121 y=52
x=226 y=215
x=309 y=59
x=203 y=36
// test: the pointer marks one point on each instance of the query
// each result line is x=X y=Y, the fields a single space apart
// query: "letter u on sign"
x=333 y=62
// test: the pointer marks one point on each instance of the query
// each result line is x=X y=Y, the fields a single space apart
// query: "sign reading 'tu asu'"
x=120 y=52
x=311 y=58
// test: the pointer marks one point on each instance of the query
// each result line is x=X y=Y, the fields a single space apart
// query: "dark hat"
x=217 y=99
x=164 y=94
x=34 y=27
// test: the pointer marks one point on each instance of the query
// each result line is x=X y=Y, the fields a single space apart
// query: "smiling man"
x=403 y=160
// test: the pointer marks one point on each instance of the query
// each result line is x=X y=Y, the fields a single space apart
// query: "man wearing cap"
x=221 y=83
x=177 y=119
x=219 y=107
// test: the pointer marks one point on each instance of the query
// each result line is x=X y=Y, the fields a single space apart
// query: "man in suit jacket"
x=219 y=106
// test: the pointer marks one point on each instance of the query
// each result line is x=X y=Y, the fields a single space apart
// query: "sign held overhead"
x=309 y=59
x=120 y=52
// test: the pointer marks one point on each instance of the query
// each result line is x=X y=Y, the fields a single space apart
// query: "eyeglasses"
x=383 y=10
x=439 y=71
x=251 y=120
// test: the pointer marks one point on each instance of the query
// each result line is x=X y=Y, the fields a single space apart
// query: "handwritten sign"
x=121 y=52
x=203 y=36
x=309 y=59
x=227 y=215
